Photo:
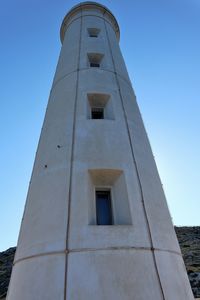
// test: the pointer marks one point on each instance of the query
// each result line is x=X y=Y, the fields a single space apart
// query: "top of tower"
x=88 y=5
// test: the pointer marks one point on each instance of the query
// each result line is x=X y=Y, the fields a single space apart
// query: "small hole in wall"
x=45 y=166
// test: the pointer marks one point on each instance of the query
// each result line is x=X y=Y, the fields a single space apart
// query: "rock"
x=6 y=261
x=189 y=240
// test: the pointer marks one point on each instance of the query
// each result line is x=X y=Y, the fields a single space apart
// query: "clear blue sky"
x=161 y=47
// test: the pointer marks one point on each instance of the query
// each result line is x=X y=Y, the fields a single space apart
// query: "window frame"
x=104 y=189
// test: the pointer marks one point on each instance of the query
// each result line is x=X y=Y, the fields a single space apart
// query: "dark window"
x=94 y=35
x=93 y=32
x=94 y=65
x=103 y=208
x=95 y=59
x=97 y=113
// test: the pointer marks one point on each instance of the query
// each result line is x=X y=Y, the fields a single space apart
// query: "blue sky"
x=161 y=47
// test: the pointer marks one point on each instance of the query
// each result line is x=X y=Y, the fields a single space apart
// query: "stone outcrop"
x=6 y=260
x=189 y=240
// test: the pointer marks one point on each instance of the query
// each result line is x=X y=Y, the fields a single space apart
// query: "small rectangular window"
x=93 y=35
x=97 y=113
x=93 y=32
x=99 y=106
x=94 y=65
x=103 y=208
x=95 y=60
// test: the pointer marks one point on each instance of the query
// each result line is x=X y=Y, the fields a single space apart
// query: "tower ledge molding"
x=88 y=5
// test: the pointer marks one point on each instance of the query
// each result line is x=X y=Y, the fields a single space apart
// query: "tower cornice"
x=88 y=5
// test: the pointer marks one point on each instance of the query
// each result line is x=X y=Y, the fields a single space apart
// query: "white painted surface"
x=103 y=262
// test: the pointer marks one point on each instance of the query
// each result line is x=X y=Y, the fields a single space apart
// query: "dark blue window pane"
x=103 y=208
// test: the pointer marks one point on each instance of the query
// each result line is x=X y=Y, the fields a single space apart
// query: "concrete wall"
x=62 y=253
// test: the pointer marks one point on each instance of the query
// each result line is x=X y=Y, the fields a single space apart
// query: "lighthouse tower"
x=96 y=224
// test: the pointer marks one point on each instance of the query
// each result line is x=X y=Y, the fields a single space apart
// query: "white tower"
x=96 y=223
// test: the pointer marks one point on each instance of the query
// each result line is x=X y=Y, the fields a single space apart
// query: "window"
x=99 y=106
x=93 y=32
x=95 y=59
x=103 y=208
x=97 y=113
x=94 y=65
x=109 y=204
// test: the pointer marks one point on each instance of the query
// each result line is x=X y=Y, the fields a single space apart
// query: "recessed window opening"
x=95 y=60
x=97 y=113
x=99 y=106
x=103 y=207
x=108 y=198
x=93 y=32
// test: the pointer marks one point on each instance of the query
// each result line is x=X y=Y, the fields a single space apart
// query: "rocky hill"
x=189 y=240
x=6 y=260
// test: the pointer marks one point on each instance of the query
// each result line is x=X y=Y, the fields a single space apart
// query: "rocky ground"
x=189 y=239
x=6 y=260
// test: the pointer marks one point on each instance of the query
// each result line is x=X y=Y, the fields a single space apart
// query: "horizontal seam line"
x=93 y=250
x=83 y=69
